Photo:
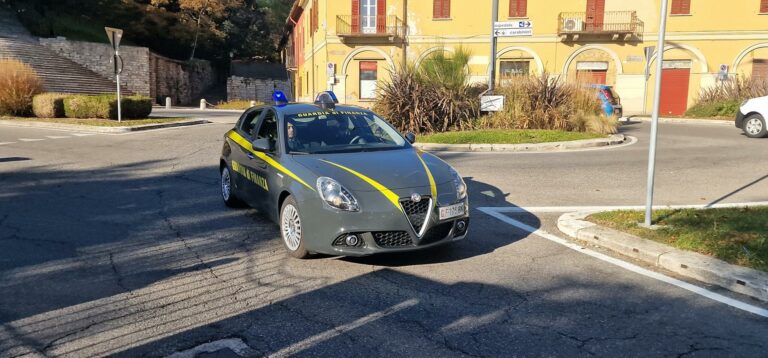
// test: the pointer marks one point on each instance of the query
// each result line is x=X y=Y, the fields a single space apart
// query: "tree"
x=197 y=10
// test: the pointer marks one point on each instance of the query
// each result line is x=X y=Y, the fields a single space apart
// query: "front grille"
x=392 y=238
x=436 y=233
x=416 y=212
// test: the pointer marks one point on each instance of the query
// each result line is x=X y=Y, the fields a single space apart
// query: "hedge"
x=49 y=105
x=105 y=106
x=718 y=109
x=19 y=83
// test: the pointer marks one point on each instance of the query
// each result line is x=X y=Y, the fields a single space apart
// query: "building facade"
x=350 y=46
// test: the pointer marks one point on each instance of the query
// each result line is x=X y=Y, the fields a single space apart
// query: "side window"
x=268 y=128
x=249 y=121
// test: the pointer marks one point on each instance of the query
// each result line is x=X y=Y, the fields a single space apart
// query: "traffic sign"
x=513 y=32
x=331 y=69
x=523 y=24
x=114 y=35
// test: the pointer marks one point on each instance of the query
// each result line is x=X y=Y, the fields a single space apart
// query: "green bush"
x=105 y=106
x=720 y=108
x=433 y=97
x=49 y=105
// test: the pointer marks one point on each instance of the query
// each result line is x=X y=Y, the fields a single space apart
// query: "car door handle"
x=250 y=156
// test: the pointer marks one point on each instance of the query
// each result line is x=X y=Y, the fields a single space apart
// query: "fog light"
x=461 y=226
x=352 y=240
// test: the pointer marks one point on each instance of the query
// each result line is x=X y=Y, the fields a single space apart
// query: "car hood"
x=394 y=169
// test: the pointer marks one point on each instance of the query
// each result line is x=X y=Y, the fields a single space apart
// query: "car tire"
x=291 y=229
x=228 y=190
x=754 y=126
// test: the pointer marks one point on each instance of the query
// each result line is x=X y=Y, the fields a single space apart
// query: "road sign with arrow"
x=513 y=28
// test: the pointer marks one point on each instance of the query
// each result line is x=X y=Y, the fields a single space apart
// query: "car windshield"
x=339 y=132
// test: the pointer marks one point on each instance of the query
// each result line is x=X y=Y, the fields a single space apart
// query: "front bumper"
x=381 y=227
x=739 y=122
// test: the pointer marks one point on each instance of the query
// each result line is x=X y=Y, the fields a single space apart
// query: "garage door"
x=674 y=91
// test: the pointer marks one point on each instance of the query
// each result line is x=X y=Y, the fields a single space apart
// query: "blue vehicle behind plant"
x=609 y=100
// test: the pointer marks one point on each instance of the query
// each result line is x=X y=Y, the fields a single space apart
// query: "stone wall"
x=256 y=88
x=97 y=58
x=183 y=81
x=144 y=72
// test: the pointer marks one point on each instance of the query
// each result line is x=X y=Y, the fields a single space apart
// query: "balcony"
x=388 y=28
x=619 y=25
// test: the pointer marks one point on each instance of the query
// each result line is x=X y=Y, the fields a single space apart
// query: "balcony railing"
x=614 y=23
x=352 y=27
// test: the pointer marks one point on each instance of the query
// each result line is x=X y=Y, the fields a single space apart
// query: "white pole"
x=492 y=70
x=117 y=76
x=655 y=115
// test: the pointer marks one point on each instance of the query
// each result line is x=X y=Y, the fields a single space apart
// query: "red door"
x=674 y=91
x=593 y=77
x=595 y=15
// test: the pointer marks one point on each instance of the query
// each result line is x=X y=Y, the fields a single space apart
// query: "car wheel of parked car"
x=291 y=229
x=754 y=126
x=227 y=189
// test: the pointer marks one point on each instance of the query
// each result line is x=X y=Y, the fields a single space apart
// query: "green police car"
x=340 y=180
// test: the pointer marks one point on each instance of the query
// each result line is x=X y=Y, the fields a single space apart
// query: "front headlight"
x=336 y=195
x=458 y=183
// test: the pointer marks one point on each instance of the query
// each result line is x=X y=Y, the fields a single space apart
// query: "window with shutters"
x=681 y=7
x=764 y=6
x=441 y=9
x=518 y=8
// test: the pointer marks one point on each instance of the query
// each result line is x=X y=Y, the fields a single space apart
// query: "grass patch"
x=511 y=136
x=735 y=235
x=99 y=122
x=236 y=104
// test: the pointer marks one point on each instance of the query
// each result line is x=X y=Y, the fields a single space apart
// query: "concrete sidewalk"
x=704 y=268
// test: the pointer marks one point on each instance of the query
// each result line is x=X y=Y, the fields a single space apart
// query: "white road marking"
x=5 y=143
x=57 y=136
x=235 y=344
x=566 y=209
x=342 y=329
x=632 y=140
x=83 y=134
x=497 y=213
x=30 y=139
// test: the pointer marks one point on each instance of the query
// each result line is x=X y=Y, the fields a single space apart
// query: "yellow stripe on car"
x=432 y=185
x=381 y=188
x=249 y=147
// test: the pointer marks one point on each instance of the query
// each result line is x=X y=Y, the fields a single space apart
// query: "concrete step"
x=59 y=74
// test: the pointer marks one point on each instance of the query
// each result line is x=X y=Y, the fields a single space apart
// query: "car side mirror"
x=262 y=145
x=410 y=137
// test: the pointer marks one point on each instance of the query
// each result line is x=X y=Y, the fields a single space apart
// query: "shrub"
x=105 y=106
x=547 y=102
x=722 y=108
x=49 y=105
x=18 y=85
x=434 y=97
x=237 y=104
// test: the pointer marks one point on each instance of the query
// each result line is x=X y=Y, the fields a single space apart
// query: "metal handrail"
x=625 y=22
x=386 y=25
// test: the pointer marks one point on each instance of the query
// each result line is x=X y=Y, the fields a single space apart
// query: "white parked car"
x=751 y=117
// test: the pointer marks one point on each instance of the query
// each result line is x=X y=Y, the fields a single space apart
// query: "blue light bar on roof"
x=280 y=98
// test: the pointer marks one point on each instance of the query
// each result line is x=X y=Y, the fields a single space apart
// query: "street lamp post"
x=655 y=115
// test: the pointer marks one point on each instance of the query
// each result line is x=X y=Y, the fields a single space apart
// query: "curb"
x=706 y=269
x=712 y=122
x=98 y=129
x=614 y=139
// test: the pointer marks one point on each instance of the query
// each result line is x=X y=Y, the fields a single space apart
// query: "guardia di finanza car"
x=340 y=180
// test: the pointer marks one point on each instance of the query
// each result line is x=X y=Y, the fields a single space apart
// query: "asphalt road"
x=120 y=245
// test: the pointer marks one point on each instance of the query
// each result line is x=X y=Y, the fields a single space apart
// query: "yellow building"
x=351 y=45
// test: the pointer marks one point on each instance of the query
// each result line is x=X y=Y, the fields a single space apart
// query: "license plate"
x=452 y=211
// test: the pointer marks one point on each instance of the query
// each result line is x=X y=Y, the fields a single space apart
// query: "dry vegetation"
x=18 y=85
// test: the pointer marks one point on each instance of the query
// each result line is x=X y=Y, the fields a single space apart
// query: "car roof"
x=295 y=108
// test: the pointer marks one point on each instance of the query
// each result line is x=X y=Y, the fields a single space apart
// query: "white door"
x=368 y=16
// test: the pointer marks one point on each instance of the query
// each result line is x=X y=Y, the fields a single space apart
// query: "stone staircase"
x=58 y=73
